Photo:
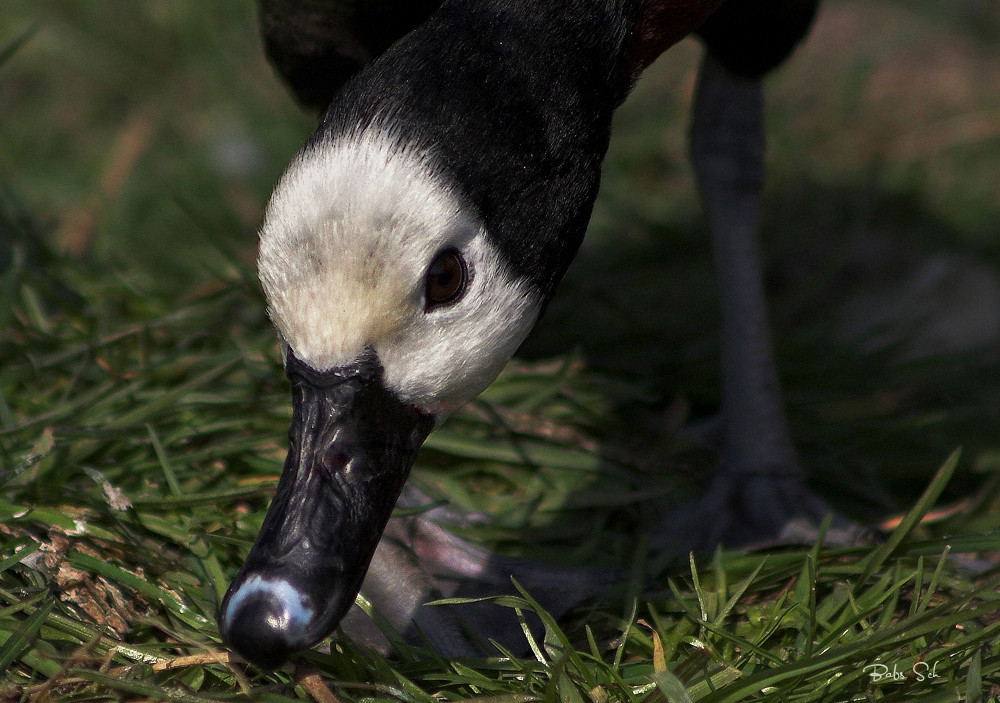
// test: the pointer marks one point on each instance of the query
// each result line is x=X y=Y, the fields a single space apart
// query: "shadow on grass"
x=875 y=402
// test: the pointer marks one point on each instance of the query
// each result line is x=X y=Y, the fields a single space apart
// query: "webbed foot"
x=763 y=508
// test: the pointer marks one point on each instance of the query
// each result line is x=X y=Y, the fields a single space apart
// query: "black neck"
x=514 y=98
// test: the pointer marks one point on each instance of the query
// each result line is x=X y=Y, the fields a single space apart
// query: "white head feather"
x=347 y=239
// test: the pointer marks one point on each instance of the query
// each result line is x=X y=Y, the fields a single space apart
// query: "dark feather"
x=317 y=45
x=751 y=37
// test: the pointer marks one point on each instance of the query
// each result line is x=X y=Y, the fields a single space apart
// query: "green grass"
x=143 y=412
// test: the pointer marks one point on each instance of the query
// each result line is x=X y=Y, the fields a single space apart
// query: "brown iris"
x=446 y=279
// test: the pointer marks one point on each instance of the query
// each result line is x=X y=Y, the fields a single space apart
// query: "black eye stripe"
x=445 y=280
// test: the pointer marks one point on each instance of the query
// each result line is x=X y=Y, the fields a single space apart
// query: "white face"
x=347 y=241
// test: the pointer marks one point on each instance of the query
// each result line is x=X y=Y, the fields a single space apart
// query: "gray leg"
x=759 y=490
x=727 y=149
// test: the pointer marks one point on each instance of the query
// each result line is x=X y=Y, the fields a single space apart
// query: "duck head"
x=405 y=254
x=392 y=310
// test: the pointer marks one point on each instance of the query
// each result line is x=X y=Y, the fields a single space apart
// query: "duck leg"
x=759 y=490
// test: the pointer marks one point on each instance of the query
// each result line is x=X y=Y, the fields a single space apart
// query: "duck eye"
x=446 y=279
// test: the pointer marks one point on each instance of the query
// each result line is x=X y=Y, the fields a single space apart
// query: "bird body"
x=413 y=242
